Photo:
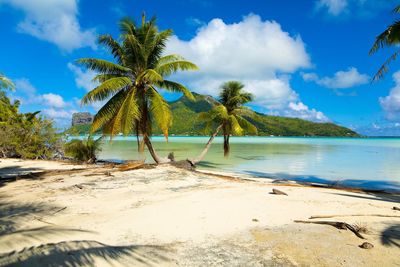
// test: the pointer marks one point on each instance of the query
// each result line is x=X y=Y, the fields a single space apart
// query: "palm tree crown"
x=230 y=115
x=389 y=37
x=130 y=85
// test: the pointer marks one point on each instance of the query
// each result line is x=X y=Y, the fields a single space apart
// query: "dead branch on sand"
x=338 y=225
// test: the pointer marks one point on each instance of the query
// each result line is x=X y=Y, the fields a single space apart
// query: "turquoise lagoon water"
x=372 y=163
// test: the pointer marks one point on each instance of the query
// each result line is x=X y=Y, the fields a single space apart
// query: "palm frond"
x=103 y=66
x=385 y=67
x=108 y=111
x=234 y=126
x=149 y=76
x=113 y=45
x=175 y=87
x=167 y=66
x=246 y=125
x=160 y=110
x=106 y=89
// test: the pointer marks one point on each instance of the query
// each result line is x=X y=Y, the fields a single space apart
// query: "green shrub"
x=83 y=150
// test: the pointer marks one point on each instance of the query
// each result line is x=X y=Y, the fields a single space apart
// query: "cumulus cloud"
x=51 y=105
x=55 y=22
x=391 y=103
x=333 y=7
x=256 y=52
x=83 y=78
x=340 y=80
x=54 y=100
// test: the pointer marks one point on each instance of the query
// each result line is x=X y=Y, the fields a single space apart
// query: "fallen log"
x=396 y=208
x=338 y=225
x=353 y=215
x=131 y=166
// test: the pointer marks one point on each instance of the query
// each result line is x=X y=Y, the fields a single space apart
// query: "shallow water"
x=372 y=163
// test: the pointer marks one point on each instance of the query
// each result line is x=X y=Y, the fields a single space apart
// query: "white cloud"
x=58 y=113
x=83 y=78
x=252 y=51
x=391 y=103
x=54 y=21
x=53 y=100
x=352 y=8
x=340 y=80
x=250 y=48
x=333 y=7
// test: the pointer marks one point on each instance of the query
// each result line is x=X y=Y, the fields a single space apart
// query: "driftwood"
x=131 y=166
x=338 y=225
x=353 y=215
x=396 y=208
x=278 y=192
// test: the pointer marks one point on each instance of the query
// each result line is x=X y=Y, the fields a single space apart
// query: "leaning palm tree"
x=131 y=83
x=228 y=117
x=388 y=38
x=6 y=83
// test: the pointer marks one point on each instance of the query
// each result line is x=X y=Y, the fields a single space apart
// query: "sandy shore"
x=166 y=216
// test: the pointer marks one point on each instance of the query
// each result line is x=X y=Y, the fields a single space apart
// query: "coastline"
x=173 y=217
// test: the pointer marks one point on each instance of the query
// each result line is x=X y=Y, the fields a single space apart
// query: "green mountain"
x=185 y=114
x=185 y=122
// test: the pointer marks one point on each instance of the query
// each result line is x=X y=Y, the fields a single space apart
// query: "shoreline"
x=165 y=216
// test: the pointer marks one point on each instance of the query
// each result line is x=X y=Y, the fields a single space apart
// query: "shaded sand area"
x=166 y=216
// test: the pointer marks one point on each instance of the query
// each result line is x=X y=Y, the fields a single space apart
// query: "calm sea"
x=371 y=163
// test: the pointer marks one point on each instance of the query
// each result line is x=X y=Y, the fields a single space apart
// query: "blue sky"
x=306 y=59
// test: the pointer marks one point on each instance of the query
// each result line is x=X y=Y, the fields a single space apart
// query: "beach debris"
x=353 y=215
x=132 y=165
x=79 y=186
x=338 y=225
x=366 y=245
x=361 y=227
x=396 y=208
x=255 y=220
x=59 y=210
x=278 y=192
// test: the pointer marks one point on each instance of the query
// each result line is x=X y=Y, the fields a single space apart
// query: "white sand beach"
x=165 y=216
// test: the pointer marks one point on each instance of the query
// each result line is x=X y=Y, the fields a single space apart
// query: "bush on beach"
x=83 y=150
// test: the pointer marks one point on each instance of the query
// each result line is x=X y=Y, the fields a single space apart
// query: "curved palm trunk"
x=153 y=153
x=206 y=148
x=146 y=139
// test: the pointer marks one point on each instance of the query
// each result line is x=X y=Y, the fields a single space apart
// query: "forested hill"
x=185 y=121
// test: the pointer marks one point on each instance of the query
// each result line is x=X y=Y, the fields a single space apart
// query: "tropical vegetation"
x=388 y=38
x=83 y=150
x=228 y=116
x=131 y=84
x=25 y=135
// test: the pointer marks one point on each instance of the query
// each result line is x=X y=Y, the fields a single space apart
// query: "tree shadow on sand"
x=86 y=253
x=391 y=236
x=14 y=215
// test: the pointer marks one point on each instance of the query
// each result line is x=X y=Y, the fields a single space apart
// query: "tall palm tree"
x=388 y=38
x=6 y=83
x=227 y=117
x=131 y=83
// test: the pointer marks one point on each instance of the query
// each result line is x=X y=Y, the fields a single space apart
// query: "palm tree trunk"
x=146 y=139
x=153 y=153
x=226 y=145
x=206 y=148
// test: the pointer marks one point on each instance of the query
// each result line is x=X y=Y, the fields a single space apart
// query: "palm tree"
x=131 y=83
x=6 y=83
x=228 y=116
x=389 y=37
